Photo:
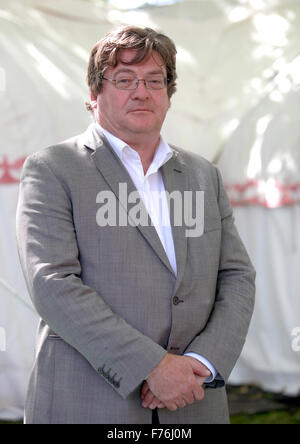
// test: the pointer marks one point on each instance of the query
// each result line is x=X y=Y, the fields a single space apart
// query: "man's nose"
x=141 y=90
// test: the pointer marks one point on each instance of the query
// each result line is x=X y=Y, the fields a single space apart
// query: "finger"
x=148 y=399
x=181 y=403
x=189 y=398
x=171 y=406
x=198 y=393
x=145 y=389
x=199 y=368
x=200 y=380
x=195 y=393
x=155 y=403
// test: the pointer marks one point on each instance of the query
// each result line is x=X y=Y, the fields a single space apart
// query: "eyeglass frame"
x=137 y=84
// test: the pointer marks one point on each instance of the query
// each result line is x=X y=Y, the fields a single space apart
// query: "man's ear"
x=93 y=101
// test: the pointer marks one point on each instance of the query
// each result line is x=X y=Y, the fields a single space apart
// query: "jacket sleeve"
x=50 y=261
x=222 y=339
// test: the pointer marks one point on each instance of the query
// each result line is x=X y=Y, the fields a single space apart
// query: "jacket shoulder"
x=196 y=163
x=66 y=160
x=70 y=148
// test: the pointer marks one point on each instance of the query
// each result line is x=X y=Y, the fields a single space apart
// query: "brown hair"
x=106 y=53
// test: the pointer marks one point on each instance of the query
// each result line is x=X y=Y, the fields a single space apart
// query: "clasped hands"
x=175 y=382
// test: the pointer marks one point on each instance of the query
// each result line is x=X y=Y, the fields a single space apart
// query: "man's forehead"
x=126 y=56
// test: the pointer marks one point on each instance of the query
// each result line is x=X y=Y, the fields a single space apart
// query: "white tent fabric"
x=17 y=317
x=269 y=358
x=265 y=191
x=41 y=83
x=269 y=160
x=231 y=55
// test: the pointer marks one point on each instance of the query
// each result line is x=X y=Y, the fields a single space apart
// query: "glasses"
x=130 y=83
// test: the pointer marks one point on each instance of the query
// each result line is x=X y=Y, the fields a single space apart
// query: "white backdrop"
x=16 y=315
x=268 y=358
x=237 y=103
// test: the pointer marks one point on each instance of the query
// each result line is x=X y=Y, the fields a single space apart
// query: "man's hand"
x=174 y=382
x=148 y=399
x=152 y=402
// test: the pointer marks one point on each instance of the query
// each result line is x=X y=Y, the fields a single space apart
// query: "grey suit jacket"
x=109 y=302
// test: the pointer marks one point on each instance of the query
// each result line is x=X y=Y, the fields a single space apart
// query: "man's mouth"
x=140 y=110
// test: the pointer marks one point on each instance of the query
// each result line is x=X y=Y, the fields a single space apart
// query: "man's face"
x=129 y=113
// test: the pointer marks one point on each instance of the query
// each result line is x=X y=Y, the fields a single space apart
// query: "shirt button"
x=175 y=300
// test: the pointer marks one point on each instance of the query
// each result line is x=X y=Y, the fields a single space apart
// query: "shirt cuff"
x=206 y=363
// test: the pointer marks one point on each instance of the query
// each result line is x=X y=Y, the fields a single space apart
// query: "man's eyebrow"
x=131 y=71
x=120 y=70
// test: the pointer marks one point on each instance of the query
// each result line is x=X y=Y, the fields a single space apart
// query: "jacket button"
x=176 y=300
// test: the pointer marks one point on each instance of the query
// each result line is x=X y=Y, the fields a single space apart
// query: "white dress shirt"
x=148 y=185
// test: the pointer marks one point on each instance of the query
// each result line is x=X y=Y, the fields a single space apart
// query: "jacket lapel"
x=114 y=173
x=176 y=180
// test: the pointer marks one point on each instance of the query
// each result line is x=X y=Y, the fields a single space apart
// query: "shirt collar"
x=162 y=154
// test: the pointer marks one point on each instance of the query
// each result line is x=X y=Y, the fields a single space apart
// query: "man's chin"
x=143 y=125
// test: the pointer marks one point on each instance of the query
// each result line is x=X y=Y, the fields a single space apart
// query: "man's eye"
x=124 y=81
x=155 y=82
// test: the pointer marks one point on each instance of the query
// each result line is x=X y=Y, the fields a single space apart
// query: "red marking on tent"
x=6 y=169
x=254 y=192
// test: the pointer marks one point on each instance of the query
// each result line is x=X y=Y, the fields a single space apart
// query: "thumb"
x=199 y=368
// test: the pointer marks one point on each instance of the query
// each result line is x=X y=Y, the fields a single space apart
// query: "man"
x=140 y=322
